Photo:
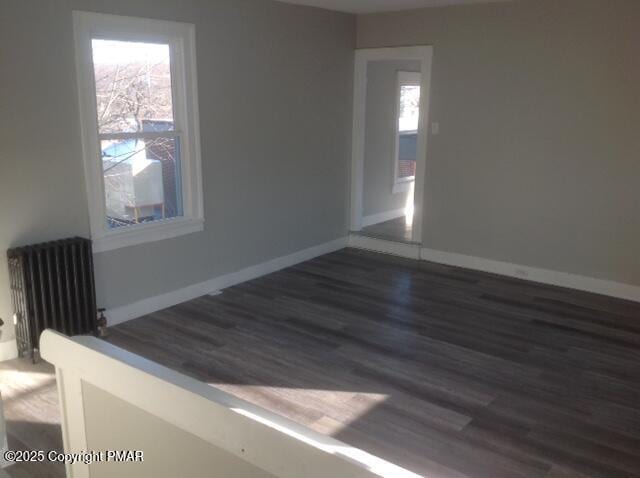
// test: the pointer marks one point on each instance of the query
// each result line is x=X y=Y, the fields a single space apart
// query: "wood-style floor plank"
x=448 y=372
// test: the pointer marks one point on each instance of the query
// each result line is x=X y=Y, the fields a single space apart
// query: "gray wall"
x=380 y=139
x=537 y=162
x=275 y=85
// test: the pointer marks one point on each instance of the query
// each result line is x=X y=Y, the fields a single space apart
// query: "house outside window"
x=138 y=98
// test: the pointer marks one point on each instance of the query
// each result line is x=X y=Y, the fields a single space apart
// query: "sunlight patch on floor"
x=15 y=384
x=286 y=401
x=372 y=463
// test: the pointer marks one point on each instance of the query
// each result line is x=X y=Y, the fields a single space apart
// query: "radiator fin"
x=52 y=287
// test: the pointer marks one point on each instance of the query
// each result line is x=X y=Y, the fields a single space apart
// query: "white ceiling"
x=370 y=6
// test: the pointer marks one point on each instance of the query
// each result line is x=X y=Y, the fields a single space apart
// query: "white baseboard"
x=382 y=217
x=121 y=314
x=544 y=276
x=411 y=251
x=8 y=350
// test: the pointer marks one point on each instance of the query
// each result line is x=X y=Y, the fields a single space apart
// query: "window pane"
x=408 y=130
x=408 y=145
x=409 y=108
x=141 y=180
x=133 y=86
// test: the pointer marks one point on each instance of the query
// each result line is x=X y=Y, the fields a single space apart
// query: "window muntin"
x=141 y=171
x=139 y=120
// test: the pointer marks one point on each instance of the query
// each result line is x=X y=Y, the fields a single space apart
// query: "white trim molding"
x=534 y=274
x=383 y=217
x=402 y=186
x=608 y=288
x=124 y=313
x=410 y=251
x=424 y=55
x=149 y=232
x=8 y=350
x=180 y=38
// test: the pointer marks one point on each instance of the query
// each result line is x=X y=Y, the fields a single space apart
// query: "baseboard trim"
x=382 y=217
x=8 y=350
x=534 y=274
x=117 y=315
x=544 y=276
x=124 y=313
x=410 y=251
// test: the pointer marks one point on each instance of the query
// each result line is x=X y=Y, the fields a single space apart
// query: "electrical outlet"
x=435 y=128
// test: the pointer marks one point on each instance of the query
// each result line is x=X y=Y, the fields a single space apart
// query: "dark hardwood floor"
x=447 y=372
x=394 y=230
x=30 y=401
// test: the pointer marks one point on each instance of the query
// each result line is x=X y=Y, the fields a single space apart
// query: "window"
x=408 y=117
x=139 y=126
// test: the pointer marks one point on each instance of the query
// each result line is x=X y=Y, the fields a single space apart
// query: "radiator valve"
x=102 y=324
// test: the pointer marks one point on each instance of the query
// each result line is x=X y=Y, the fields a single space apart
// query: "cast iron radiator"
x=52 y=287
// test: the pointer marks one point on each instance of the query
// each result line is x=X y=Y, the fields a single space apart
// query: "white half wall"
x=183 y=427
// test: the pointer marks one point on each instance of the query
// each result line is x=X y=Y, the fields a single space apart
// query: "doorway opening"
x=389 y=144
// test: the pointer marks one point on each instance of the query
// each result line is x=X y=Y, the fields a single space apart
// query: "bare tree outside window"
x=132 y=86
x=409 y=115
x=409 y=107
x=140 y=148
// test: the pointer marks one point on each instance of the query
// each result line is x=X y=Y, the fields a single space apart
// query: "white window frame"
x=181 y=40
x=404 y=78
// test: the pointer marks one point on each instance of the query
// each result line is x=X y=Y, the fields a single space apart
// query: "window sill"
x=402 y=185
x=145 y=233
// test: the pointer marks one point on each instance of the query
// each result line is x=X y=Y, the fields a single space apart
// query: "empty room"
x=320 y=238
